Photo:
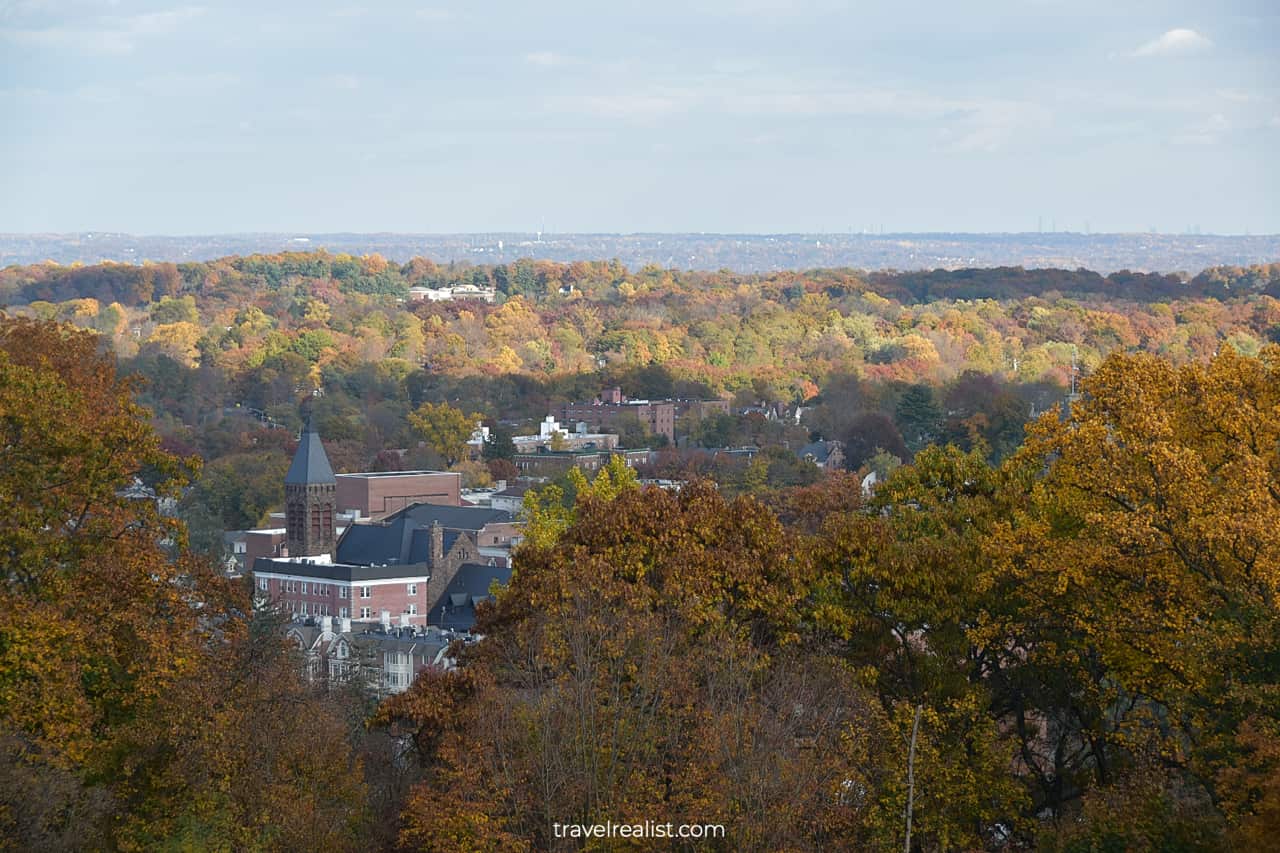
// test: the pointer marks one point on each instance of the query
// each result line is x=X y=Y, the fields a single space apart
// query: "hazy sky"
x=699 y=115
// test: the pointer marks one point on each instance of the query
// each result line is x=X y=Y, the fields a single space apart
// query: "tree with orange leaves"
x=136 y=705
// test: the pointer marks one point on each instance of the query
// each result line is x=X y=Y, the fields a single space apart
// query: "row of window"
x=264 y=584
x=304 y=608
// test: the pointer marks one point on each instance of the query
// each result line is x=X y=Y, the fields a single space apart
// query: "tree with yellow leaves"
x=1139 y=572
x=445 y=429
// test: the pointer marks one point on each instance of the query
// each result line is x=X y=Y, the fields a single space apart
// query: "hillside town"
x=378 y=574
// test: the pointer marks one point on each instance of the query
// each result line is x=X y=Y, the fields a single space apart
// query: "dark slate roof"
x=819 y=450
x=310 y=463
x=405 y=535
x=374 y=544
x=455 y=517
x=455 y=608
x=340 y=571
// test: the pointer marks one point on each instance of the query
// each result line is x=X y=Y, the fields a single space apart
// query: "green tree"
x=919 y=417
x=499 y=444
x=240 y=488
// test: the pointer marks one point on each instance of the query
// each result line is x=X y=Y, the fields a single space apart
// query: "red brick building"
x=377 y=494
x=395 y=569
x=658 y=416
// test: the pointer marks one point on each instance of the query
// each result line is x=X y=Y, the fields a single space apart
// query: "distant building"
x=510 y=499
x=376 y=494
x=310 y=499
x=455 y=293
x=745 y=454
x=455 y=607
x=577 y=438
x=827 y=455
x=391 y=571
x=611 y=408
x=552 y=463
x=379 y=658
x=658 y=416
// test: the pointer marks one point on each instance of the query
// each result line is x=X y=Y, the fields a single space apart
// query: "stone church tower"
x=310 y=498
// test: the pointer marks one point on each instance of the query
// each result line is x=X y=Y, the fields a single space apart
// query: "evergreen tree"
x=919 y=417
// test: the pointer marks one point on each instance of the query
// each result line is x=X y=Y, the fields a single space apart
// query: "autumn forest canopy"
x=1049 y=626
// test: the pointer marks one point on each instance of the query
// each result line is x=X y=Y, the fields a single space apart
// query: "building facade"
x=377 y=494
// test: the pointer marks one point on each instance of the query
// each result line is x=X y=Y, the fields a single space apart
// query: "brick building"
x=657 y=417
x=569 y=437
x=611 y=407
x=391 y=570
x=552 y=463
x=309 y=499
x=377 y=494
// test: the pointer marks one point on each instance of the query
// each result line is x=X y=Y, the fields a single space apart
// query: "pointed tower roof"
x=310 y=463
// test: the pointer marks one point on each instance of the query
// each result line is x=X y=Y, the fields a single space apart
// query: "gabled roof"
x=310 y=463
x=819 y=450
x=456 y=606
x=405 y=536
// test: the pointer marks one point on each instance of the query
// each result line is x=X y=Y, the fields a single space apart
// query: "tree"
x=1147 y=559
x=919 y=417
x=444 y=428
x=71 y=438
x=503 y=469
x=631 y=432
x=869 y=434
x=899 y=588
x=240 y=488
x=171 y=310
x=137 y=706
x=499 y=444
x=984 y=413
x=622 y=674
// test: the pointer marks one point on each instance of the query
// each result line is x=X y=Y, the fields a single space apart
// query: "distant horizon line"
x=310 y=234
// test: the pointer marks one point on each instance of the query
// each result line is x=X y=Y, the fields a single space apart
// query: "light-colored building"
x=383 y=658
x=459 y=292
x=510 y=499
x=551 y=433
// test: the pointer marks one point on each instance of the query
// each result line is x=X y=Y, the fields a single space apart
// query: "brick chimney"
x=437 y=544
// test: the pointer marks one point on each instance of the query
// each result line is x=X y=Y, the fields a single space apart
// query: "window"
x=263 y=584
x=342 y=592
x=342 y=613
x=365 y=612
x=413 y=610
x=413 y=589
x=364 y=592
x=303 y=609
x=304 y=587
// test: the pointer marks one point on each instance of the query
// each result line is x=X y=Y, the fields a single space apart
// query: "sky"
x=732 y=116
